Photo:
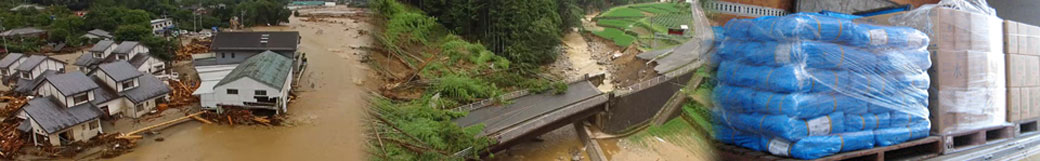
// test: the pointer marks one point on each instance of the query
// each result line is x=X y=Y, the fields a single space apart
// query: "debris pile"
x=181 y=94
x=10 y=137
x=241 y=116
x=194 y=47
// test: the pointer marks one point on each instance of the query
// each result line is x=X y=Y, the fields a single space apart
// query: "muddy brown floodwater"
x=326 y=117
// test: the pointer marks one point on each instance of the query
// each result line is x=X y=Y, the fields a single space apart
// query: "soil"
x=325 y=121
x=578 y=60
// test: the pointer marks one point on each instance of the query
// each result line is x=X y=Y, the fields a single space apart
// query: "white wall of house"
x=100 y=74
x=47 y=89
x=79 y=132
x=138 y=49
x=141 y=108
x=47 y=64
x=70 y=100
x=284 y=94
x=246 y=90
x=115 y=106
x=11 y=70
x=108 y=51
x=152 y=65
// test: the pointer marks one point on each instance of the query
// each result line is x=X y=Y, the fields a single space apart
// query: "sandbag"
x=823 y=55
x=813 y=147
x=783 y=126
x=798 y=105
x=810 y=26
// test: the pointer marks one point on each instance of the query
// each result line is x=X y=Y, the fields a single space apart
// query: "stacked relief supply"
x=808 y=86
x=1023 y=70
x=969 y=85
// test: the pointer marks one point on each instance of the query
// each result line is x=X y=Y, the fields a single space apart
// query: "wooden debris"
x=202 y=120
x=174 y=121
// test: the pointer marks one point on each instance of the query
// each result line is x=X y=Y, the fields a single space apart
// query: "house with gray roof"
x=236 y=47
x=127 y=91
x=89 y=60
x=63 y=111
x=34 y=66
x=24 y=32
x=98 y=34
x=107 y=51
x=260 y=82
x=7 y=65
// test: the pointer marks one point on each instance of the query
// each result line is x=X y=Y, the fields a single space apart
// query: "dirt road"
x=326 y=116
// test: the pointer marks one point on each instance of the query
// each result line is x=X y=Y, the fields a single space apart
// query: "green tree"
x=525 y=31
x=132 y=33
x=161 y=48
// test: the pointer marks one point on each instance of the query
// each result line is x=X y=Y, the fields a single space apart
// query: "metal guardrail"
x=744 y=9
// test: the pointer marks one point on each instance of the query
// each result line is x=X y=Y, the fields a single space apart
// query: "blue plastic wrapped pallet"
x=808 y=85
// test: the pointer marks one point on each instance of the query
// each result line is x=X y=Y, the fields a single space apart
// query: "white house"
x=89 y=60
x=159 y=26
x=135 y=53
x=32 y=71
x=9 y=63
x=62 y=112
x=261 y=82
x=124 y=90
x=35 y=65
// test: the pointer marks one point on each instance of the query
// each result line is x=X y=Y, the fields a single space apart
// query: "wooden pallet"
x=912 y=150
x=968 y=139
x=1027 y=127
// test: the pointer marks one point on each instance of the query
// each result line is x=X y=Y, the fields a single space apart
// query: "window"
x=260 y=92
x=121 y=57
x=129 y=84
x=94 y=125
x=82 y=98
x=232 y=55
x=97 y=55
x=26 y=75
x=4 y=72
x=139 y=107
x=232 y=91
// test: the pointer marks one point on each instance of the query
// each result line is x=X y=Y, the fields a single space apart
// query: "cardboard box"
x=951 y=29
x=954 y=110
x=967 y=69
x=1023 y=70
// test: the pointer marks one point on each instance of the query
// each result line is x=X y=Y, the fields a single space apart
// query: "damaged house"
x=62 y=112
x=260 y=82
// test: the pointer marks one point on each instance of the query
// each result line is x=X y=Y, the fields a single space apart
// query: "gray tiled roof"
x=53 y=117
x=100 y=33
x=86 y=60
x=72 y=83
x=268 y=67
x=150 y=87
x=10 y=59
x=103 y=93
x=279 y=40
x=125 y=47
x=120 y=71
x=27 y=86
x=102 y=45
x=21 y=31
x=31 y=62
x=139 y=59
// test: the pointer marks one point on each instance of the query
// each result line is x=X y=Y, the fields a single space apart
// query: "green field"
x=623 y=12
x=619 y=37
x=627 y=25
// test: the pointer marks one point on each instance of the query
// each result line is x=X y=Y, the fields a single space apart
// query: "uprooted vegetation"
x=428 y=71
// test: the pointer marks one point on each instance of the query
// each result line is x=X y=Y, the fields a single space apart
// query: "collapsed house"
x=62 y=112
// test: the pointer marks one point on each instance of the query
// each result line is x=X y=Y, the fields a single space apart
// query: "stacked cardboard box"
x=1023 y=70
x=969 y=87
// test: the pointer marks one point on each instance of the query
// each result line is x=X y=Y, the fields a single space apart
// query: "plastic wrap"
x=969 y=74
x=808 y=86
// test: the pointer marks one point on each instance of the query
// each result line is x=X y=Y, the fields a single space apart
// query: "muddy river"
x=326 y=117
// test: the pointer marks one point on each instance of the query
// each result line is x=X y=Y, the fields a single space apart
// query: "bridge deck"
x=500 y=121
